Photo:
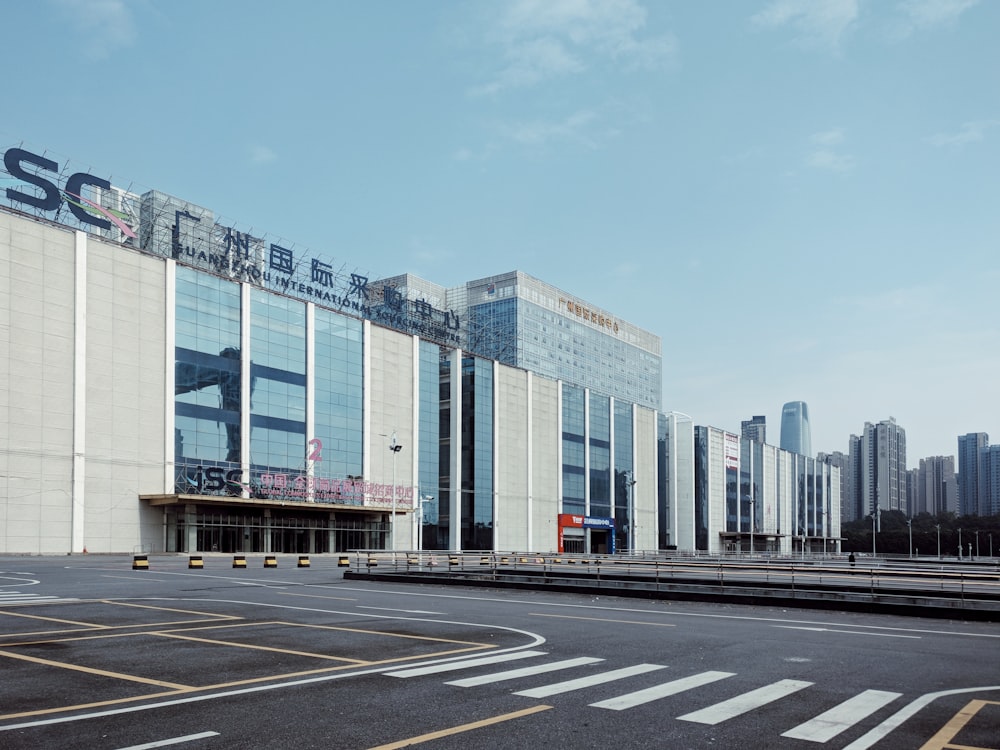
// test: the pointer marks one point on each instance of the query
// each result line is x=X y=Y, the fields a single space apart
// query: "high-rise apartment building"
x=989 y=480
x=795 y=434
x=937 y=486
x=842 y=462
x=969 y=497
x=879 y=458
x=754 y=429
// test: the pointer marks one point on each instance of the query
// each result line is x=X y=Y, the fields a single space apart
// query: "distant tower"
x=970 y=496
x=795 y=436
x=754 y=429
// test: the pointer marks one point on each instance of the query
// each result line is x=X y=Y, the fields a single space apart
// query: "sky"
x=801 y=197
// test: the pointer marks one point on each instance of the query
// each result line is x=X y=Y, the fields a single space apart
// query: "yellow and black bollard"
x=140 y=562
x=195 y=562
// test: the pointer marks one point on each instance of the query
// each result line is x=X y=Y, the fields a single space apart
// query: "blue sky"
x=802 y=197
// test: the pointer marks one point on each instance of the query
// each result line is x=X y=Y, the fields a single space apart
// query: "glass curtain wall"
x=278 y=369
x=207 y=384
x=574 y=498
x=432 y=535
x=600 y=456
x=624 y=472
x=339 y=397
x=477 y=454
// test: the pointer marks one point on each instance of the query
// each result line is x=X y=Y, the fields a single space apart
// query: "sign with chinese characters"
x=596 y=317
x=190 y=234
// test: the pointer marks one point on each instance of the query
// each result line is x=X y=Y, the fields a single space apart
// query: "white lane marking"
x=513 y=674
x=743 y=618
x=407 y=611
x=172 y=741
x=830 y=723
x=874 y=735
x=849 y=632
x=748 y=701
x=456 y=665
x=661 y=691
x=583 y=682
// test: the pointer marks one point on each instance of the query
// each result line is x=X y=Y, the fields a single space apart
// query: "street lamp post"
x=419 y=518
x=395 y=448
x=909 y=526
x=938 y=527
x=752 y=518
x=875 y=519
x=960 y=544
x=977 y=542
x=631 y=512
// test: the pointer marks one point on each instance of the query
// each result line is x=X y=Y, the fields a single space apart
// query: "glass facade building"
x=795 y=433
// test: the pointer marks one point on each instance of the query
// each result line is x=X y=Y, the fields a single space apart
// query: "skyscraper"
x=754 y=429
x=879 y=457
x=969 y=447
x=937 y=490
x=795 y=435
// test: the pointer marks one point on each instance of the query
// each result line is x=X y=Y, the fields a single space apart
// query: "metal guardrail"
x=661 y=574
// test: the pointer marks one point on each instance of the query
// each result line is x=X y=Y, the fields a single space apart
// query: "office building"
x=175 y=384
x=754 y=429
x=753 y=496
x=795 y=433
x=971 y=495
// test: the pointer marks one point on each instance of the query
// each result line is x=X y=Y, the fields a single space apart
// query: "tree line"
x=893 y=536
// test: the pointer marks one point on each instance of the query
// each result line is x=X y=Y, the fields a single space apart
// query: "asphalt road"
x=97 y=655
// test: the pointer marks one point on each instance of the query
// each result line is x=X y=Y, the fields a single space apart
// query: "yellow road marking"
x=53 y=619
x=171 y=609
x=96 y=704
x=943 y=739
x=602 y=619
x=253 y=647
x=90 y=670
x=387 y=634
x=462 y=728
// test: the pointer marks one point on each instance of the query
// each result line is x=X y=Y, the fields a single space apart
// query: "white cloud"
x=104 y=25
x=971 y=132
x=262 y=154
x=828 y=137
x=825 y=155
x=927 y=14
x=543 y=39
x=816 y=23
x=538 y=132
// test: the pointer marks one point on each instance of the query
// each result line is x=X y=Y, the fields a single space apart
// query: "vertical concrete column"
x=78 y=541
x=190 y=528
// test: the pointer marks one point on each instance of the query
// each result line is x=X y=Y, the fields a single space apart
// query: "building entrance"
x=204 y=528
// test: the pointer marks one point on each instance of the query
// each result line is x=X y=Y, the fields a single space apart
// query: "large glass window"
x=624 y=470
x=207 y=383
x=432 y=534
x=600 y=455
x=339 y=399
x=278 y=370
x=477 y=453
x=574 y=457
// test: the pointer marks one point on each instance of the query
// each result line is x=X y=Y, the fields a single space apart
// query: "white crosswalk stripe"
x=820 y=729
x=454 y=666
x=748 y=701
x=661 y=691
x=513 y=674
x=14 y=597
x=830 y=723
x=583 y=682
